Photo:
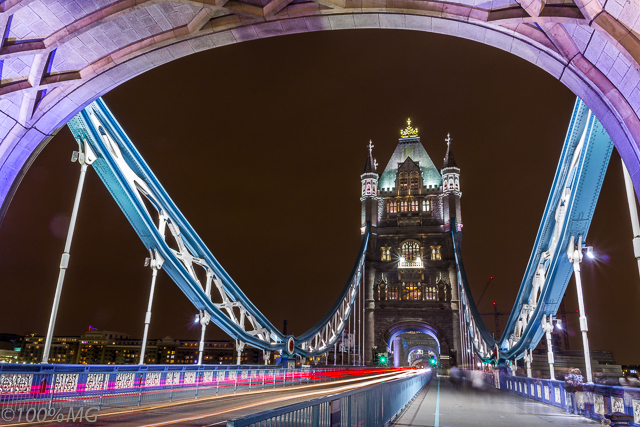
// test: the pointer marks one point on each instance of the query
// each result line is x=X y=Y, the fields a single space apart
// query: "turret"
x=369 y=194
x=451 y=187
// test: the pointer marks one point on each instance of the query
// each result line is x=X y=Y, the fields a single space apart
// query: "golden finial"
x=409 y=132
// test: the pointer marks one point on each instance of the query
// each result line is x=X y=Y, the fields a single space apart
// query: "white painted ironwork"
x=236 y=312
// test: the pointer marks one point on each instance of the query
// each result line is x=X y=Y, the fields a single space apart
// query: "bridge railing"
x=373 y=406
x=589 y=400
x=47 y=393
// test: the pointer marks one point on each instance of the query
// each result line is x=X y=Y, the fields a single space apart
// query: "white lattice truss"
x=329 y=334
x=232 y=309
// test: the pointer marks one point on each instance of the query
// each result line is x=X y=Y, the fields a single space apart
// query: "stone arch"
x=589 y=47
x=413 y=349
x=414 y=326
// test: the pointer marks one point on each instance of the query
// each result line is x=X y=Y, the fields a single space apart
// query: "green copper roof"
x=410 y=147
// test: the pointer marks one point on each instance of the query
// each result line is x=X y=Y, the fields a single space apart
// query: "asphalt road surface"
x=216 y=410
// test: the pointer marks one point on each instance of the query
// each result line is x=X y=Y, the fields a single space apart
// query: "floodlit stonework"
x=410 y=271
x=59 y=55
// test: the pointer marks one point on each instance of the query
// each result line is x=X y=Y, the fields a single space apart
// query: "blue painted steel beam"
x=580 y=174
x=118 y=180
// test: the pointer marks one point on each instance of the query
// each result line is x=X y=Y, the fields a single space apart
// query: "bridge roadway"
x=440 y=404
x=215 y=410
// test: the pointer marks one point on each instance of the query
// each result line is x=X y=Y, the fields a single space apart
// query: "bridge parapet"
x=589 y=400
x=52 y=388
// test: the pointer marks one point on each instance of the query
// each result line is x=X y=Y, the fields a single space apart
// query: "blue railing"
x=51 y=387
x=373 y=406
x=589 y=400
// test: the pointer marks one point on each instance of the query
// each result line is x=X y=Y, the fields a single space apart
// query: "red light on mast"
x=494 y=303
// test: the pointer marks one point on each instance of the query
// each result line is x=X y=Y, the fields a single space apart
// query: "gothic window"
x=392 y=207
x=451 y=183
x=435 y=253
x=403 y=181
x=431 y=293
x=414 y=206
x=386 y=254
x=426 y=205
x=368 y=188
x=383 y=293
x=411 y=292
x=404 y=206
x=415 y=183
x=410 y=251
x=457 y=184
x=392 y=293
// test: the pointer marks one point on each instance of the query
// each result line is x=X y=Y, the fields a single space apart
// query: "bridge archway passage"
x=424 y=350
x=55 y=63
x=409 y=336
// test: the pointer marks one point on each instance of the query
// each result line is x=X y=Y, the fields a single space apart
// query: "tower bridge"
x=408 y=286
x=407 y=293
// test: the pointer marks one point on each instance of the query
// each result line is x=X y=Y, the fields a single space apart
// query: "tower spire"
x=449 y=159
x=371 y=164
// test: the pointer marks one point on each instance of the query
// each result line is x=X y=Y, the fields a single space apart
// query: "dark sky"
x=261 y=145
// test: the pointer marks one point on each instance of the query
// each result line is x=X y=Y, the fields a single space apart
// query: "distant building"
x=114 y=348
x=10 y=346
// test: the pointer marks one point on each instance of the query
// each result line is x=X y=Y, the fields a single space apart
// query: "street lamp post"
x=85 y=157
x=574 y=252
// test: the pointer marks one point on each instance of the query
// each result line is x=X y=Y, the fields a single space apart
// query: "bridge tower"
x=411 y=287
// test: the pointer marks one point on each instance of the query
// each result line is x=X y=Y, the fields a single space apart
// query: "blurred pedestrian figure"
x=629 y=380
x=573 y=383
x=477 y=380
x=455 y=376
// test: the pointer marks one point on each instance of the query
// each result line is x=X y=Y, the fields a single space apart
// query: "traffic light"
x=380 y=359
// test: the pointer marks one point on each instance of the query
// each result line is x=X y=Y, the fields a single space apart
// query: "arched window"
x=404 y=206
x=403 y=181
x=386 y=253
x=368 y=191
x=426 y=205
x=392 y=207
x=414 y=206
x=410 y=251
x=435 y=253
x=415 y=185
x=457 y=184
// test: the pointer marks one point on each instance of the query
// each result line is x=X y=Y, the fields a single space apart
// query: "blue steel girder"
x=137 y=191
x=568 y=212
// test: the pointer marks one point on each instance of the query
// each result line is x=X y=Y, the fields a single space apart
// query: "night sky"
x=262 y=144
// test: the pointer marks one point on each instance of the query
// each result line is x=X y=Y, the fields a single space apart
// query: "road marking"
x=437 y=421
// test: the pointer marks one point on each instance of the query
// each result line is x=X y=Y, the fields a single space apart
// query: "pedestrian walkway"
x=441 y=405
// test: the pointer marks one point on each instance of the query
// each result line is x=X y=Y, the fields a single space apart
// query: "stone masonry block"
x=341 y=22
x=392 y=21
x=420 y=23
x=371 y=20
x=269 y=29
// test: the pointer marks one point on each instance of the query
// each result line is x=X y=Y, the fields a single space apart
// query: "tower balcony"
x=406 y=263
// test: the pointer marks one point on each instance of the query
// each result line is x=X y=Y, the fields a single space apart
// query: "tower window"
x=403 y=181
x=404 y=206
x=435 y=253
x=431 y=294
x=392 y=207
x=414 y=206
x=414 y=183
x=411 y=292
x=426 y=205
x=386 y=254
x=410 y=251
